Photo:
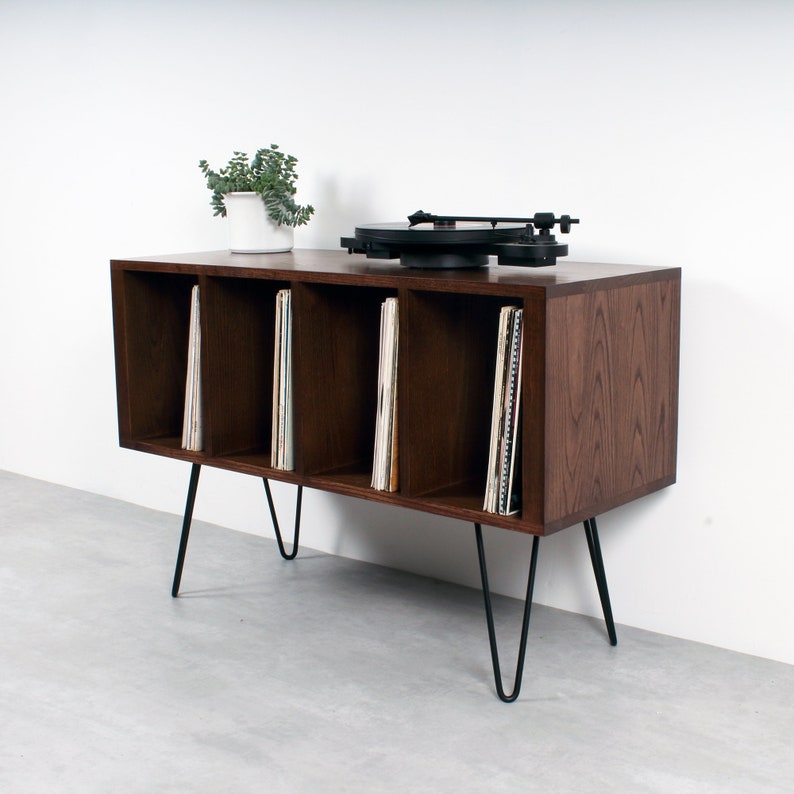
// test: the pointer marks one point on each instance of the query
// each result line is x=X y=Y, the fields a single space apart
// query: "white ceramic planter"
x=251 y=231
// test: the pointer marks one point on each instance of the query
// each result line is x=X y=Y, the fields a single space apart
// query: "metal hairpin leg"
x=522 y=648
x=593 y=544
x=591 y=532
x=191 y=500
x=294 y=552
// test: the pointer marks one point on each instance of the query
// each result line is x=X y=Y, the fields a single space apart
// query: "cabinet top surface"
x=341 y=267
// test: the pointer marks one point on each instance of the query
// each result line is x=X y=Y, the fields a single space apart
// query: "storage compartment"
x=239 y=329
x=151 y=315
x=335 y=377
x=446 y=384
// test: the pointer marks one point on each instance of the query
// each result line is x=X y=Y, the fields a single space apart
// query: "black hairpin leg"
x=522 y=648
x=591 y=532
x=191 y=500
x=294 y=552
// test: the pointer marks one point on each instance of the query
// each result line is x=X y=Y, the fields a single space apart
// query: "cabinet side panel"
x=120 y=349
x=533 y=407
x=612 y=398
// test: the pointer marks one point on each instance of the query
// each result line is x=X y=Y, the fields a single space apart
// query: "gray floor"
x=327 y=675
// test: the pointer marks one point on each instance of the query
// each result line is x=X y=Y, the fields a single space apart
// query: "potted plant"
x=257 y=198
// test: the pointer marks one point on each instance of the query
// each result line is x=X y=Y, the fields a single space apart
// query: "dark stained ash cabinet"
x=600 y=389
x=599 y=394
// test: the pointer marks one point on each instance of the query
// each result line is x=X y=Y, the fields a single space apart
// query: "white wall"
x=665 y=126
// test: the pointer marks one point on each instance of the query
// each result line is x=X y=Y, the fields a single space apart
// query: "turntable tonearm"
x=445 y=244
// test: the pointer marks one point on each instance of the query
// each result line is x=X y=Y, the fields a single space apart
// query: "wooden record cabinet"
x=599 y=390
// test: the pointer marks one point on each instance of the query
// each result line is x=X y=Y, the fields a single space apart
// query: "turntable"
x=451 y=241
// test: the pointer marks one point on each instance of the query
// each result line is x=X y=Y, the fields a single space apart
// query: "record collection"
x=385 y=466
x=503 y=479
x=282 y=455
x=192 y=423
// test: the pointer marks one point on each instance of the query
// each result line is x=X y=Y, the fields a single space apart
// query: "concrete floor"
x=330 y=675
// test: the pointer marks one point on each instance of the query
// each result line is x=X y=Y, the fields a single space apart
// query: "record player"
x=458 y=241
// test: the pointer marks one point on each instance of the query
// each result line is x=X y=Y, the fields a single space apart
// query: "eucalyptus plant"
x=271 y=174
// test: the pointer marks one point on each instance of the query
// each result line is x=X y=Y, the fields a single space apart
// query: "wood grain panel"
x=337 y=267
x=533 y=412
x=611 y=397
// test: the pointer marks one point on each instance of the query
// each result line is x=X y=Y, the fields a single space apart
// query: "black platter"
x=457 y=241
